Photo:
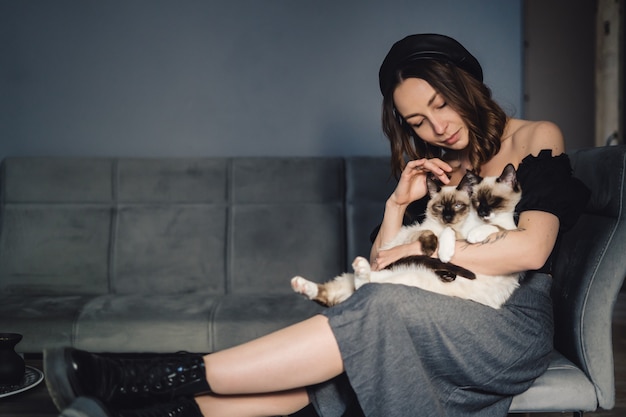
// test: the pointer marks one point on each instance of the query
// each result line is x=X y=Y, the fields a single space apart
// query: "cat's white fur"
x=489 y=290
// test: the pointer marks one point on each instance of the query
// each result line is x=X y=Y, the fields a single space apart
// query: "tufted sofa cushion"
x=166 y=254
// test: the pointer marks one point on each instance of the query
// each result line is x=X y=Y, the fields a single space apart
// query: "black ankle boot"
x=121 y=380
x=90 y=407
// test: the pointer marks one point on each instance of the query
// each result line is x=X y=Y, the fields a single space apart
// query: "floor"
x=37 y=403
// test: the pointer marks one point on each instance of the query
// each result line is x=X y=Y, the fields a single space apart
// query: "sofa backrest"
x=369 y=183
x=590 y=268
x=56 y=222
x=170 y=225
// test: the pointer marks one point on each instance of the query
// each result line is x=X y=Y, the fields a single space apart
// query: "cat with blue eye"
x=474 y=210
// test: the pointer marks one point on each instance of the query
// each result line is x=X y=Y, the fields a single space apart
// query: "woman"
x=389 y=350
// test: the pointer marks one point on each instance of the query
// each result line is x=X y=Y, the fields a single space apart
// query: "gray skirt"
x=410 y=352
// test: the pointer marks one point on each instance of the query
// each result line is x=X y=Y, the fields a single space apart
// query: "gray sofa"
x=196 y=254
x=170 y=254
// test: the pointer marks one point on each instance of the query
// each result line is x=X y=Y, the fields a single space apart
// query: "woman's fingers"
x=435 y=166
x=386 y=257
x=412 y=184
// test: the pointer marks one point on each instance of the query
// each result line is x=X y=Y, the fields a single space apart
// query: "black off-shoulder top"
x=547 y=185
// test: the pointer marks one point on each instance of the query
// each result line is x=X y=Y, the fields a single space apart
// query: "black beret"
x=426 y=46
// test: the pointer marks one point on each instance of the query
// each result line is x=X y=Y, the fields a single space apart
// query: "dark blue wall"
x=209 y=78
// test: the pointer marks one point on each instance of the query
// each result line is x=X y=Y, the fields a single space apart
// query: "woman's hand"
x=411 y=187
x=412 y=183
x=386 y=257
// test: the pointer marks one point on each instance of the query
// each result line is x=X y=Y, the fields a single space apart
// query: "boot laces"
x=152 y=375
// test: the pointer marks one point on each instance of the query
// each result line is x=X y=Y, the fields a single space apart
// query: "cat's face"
x=449 y=204
x=494 y=195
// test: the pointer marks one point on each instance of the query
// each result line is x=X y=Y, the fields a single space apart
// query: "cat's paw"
x=362 y=269
x=481 y=233
x=447 y=242
x=305 y=287
x=429 y=242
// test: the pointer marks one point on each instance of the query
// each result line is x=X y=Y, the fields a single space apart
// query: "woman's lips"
x=453 y=139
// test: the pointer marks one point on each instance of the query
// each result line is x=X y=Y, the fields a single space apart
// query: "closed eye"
x=418 y=124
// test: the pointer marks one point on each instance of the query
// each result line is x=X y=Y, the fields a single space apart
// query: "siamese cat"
x=472 y=211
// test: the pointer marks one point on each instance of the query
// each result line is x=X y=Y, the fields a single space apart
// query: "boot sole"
x=56 y=375
x=85 y=407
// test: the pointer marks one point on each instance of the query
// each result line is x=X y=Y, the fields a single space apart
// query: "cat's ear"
x=469 y=180
x=509 y=177
x=433 y=185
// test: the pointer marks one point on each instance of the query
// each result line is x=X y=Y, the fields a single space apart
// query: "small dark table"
x=33 y=402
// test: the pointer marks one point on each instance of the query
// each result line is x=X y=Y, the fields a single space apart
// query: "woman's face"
x=427 y=112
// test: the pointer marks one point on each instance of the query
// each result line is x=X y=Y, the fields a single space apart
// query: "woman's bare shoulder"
x=531 y=137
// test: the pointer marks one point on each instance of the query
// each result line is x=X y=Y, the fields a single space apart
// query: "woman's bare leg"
x=260 y=405
x=303 y=354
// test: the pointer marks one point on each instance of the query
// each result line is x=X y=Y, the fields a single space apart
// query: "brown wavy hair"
x=468 y=96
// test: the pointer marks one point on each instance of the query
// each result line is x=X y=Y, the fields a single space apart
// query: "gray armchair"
x=589 y=272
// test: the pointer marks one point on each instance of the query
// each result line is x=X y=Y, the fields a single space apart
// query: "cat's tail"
x=446 y=271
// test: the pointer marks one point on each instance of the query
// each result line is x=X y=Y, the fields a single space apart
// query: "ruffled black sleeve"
x=548 y=185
